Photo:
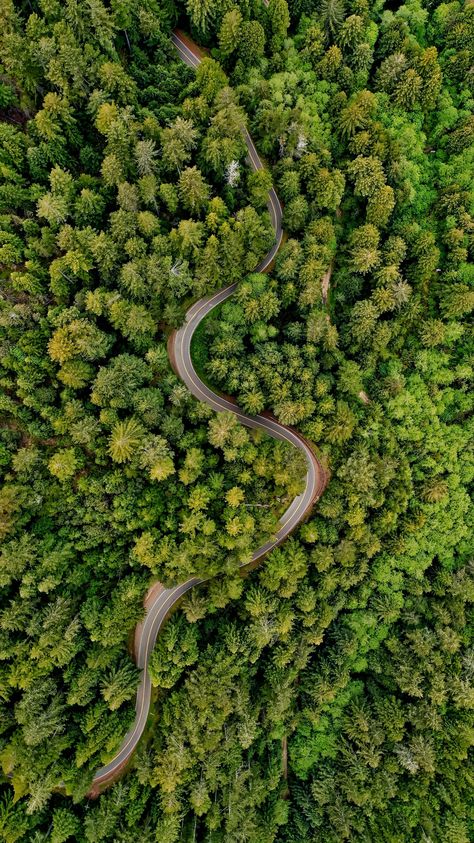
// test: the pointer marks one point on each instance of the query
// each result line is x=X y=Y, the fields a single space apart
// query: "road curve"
x=179 y=350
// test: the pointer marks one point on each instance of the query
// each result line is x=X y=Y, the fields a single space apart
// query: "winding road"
x=179 y=350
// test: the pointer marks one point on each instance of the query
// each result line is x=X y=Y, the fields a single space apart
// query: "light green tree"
x=125 y=440
x=365 y=254
x=63 y=464
x=193 y=190
x=119 y=684
x=229 y=31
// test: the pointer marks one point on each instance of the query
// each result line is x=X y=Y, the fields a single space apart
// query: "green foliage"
x=176 y=649
x=114 y=205
x=63 y=464
x=230 y=31
x=65 y=826
x=328 y=695
x=252 y=42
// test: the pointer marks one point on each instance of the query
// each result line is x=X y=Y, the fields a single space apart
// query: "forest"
x=325 y=694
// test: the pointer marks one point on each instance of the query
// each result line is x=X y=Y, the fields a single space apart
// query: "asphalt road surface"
x=180 y=356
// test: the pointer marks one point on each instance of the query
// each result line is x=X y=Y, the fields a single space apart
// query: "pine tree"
x=332 y=15
x=251 y=42
x=193 y=190
x=145 y=154
x=63 y=464
x=178 y=140
x=65 y=825
x=229 y=31
x=365 y=254
x=279 y=17
x=119 y=684
x=125 y=439
x=201 y=13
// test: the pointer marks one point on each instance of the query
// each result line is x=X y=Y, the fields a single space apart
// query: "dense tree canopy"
x=328 y=695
